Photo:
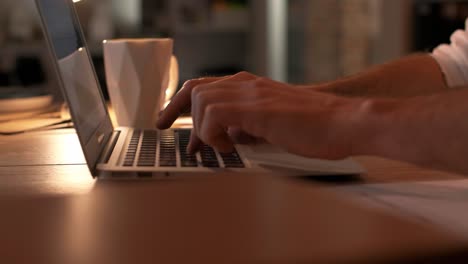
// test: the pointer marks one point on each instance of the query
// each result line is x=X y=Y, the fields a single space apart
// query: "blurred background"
x=299 y=41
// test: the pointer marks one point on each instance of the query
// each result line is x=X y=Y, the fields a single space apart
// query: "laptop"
x=125 y=152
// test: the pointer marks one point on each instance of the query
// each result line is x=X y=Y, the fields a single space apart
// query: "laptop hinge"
x=109 y=148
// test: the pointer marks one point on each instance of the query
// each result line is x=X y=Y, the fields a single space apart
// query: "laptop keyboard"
x=150 y=148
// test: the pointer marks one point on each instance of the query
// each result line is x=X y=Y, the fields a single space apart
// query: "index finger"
x=181 y=102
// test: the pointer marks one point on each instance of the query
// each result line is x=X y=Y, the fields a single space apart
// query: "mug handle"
x=173 y=79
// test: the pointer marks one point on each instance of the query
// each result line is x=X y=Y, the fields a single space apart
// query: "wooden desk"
x=53 y=212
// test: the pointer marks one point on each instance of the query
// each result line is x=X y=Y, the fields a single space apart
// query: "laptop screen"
x=79 y=81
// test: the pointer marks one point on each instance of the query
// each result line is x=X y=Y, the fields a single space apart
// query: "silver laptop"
x=130 y=153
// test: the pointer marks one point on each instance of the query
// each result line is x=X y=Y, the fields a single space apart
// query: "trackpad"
x=266 y=154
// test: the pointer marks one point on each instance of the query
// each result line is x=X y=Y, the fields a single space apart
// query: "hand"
x=301 y=121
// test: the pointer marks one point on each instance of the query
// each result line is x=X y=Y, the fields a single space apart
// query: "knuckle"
x=242 y=73
x=190 y=84
x=197 y=90
x=202 y=99
x=194 y=82
x=212 y=111
x=245 y=74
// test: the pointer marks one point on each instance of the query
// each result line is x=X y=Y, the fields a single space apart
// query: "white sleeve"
x=453 y=58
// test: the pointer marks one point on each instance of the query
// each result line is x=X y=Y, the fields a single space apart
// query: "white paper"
x=444 y=203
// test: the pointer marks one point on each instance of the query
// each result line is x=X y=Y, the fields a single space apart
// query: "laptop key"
x=167 y=150
x=232 y=160
x=132 y=149
x=209 y=158
x=148 y=148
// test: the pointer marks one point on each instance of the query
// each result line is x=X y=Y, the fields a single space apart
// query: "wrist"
x=365 y=124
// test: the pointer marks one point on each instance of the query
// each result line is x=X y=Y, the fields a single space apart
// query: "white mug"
x=142 y=75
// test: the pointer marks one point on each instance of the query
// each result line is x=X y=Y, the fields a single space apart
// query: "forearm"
x=414 y=75
x=430 y=131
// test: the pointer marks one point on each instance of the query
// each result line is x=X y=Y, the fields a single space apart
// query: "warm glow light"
x=76 y=1
x=76 y=177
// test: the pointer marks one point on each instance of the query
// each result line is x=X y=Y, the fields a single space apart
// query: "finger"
x=181 y=102
x=198 y=109
x=234 y=88
x=247 y=116
x=194 y=144
x=221 y=90
x=216 y=136
x=216 y=95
